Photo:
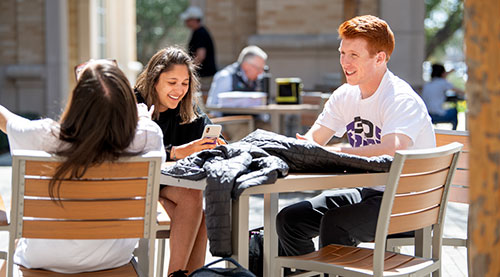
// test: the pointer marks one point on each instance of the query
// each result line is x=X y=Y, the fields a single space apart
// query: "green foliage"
x=442 y=21
x=158 y=25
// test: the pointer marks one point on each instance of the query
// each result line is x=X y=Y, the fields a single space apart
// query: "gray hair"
x=250 y=52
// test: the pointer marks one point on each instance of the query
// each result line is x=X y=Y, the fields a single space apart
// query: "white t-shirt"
x=434 y=95
x=73 y=256
x=393 y=108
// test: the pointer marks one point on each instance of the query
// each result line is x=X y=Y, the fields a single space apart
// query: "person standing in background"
x=201 y=46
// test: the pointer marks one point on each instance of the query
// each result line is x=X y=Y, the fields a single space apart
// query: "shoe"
x=178 y=273
x=289 y=272
x=299 y=272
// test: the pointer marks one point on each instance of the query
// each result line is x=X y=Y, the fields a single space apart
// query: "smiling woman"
x=172 y=86
x=169 y=83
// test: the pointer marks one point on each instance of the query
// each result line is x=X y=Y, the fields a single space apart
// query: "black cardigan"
x=175 y=133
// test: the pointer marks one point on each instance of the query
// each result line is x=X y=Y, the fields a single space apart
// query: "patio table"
x=294 y=182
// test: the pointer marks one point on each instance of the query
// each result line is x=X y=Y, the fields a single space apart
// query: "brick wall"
x=298 y=16
x=22 y=32
x=73 y=58
x=230 y=23
x=30 y=32
x=299 y=36
x=369 y=7
x=22 y=52
x=8 y=40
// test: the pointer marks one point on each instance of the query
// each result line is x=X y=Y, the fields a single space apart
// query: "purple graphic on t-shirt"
x=361 y=132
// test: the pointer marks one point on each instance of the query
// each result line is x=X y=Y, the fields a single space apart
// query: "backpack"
x=207 y=271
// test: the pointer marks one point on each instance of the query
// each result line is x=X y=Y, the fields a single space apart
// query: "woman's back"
x=71 y=256
x=101 y=123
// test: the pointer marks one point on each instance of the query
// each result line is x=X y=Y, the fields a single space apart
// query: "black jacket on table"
x=175 y=133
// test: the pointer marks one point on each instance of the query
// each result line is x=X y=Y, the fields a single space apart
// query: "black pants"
x=450 y=116
x=345 y=217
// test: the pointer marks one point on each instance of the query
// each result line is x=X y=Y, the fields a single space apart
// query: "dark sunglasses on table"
x=79 y=68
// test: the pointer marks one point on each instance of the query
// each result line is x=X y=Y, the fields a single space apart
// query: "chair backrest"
x=314 y=98
x=243 y=120
x=415 y=195
x=112 y=200
x=459 y=190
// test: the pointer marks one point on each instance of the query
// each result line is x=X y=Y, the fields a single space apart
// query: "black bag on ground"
x=207 y=271
x=256 y=251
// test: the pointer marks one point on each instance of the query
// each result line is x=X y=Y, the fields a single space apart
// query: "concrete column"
x=406 y=19
x=56 y=42
x=121 y=41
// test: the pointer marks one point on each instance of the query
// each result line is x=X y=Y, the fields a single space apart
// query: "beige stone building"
x=42 y=40
x=301 y=36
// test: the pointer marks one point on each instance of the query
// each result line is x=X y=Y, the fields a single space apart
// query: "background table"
x=274 y=110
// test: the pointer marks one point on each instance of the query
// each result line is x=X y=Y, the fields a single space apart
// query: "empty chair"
x=459 y=188
x=245 y=123
x=415 y=197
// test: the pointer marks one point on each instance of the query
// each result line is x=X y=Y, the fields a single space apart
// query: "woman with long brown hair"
x=169 y=83
x=101 y=122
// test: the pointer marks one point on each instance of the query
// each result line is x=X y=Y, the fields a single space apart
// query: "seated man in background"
x=434 y=96
x=241 y=75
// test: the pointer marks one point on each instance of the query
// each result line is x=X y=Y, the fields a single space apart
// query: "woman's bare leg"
x=3 y=268
x=199 y=251
x=186 y=218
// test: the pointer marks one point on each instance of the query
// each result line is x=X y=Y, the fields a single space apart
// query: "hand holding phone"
x=212 y=131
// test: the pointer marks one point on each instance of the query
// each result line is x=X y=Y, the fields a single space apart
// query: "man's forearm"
x=370 y=150
x=389 y=145
x=200 y=55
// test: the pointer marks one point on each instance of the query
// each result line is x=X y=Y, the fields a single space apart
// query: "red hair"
x=371 y=28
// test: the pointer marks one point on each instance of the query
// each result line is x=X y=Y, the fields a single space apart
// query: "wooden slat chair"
x=415 y=197
x=459 y=189
x=111 y=201
x=4 y=225
x=245 y=121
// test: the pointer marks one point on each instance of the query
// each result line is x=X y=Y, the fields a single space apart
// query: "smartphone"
x=212 y=131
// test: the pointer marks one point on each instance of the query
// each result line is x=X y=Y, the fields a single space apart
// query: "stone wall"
x=230 y=23
x=310 y=17
x=22 y=55
x=406 y=19
x=42 y=40
x=301 y=36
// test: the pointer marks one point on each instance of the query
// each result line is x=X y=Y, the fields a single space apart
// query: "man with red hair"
x=381 y=114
